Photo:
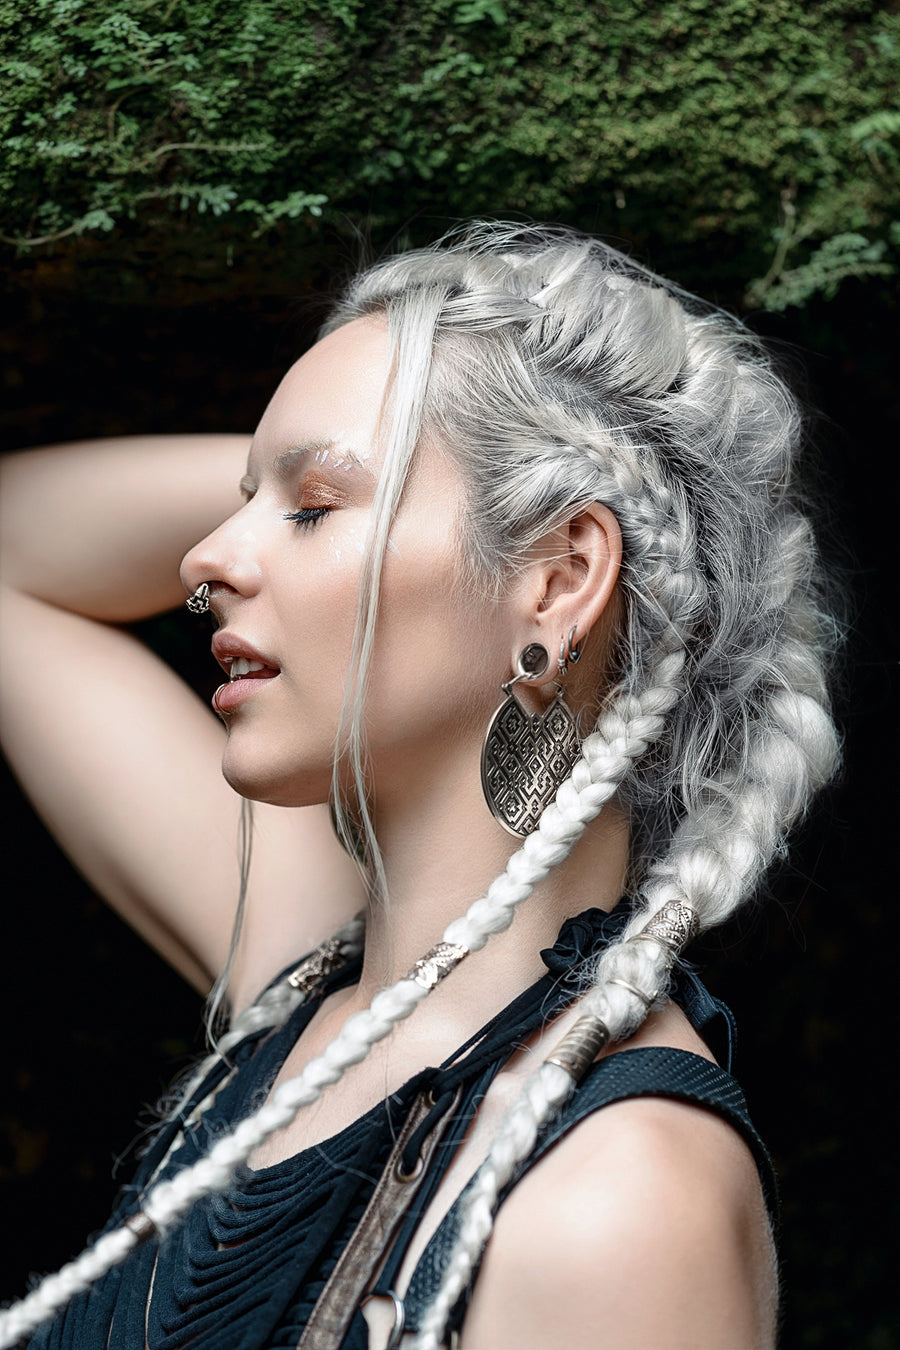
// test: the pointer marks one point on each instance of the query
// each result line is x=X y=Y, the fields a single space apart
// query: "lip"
x=228 y=647
x=228 y=697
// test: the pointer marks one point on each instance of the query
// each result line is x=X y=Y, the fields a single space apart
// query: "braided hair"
x=555 y=372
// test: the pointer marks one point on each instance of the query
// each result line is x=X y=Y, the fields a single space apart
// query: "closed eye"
x=307 y=516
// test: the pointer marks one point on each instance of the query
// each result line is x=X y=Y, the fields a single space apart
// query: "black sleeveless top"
x=244 y=1270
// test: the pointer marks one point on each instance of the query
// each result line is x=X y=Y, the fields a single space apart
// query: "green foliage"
x=747 y=136
x=843 y=255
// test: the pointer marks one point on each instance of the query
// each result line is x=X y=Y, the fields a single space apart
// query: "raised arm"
x=118 y=755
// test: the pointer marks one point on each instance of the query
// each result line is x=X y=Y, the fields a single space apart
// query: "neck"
x=441 y=850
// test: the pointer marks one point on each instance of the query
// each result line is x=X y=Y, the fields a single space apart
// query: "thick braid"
x=272 y=1009
x=773 y=742
x=789 y=764
x=561 y=374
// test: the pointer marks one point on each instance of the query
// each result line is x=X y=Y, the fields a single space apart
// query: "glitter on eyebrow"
x=286 y=462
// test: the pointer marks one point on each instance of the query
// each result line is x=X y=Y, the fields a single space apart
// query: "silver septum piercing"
x=198 y=603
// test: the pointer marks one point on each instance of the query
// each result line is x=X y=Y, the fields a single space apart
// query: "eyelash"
x=307 y=516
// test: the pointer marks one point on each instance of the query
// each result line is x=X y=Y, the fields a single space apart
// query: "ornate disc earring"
x=527 y=756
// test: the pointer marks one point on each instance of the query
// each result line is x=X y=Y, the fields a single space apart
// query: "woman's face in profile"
x=284 y=572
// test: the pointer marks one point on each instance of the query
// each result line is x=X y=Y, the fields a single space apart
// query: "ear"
x=571 y=580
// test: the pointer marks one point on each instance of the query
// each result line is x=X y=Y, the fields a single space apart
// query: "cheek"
x=317 y=607
x=439 y=655
x=344 y=549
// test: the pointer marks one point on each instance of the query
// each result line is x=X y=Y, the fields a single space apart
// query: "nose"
x=227 y=560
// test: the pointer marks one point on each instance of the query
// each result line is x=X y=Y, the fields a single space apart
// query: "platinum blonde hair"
x=556 y=372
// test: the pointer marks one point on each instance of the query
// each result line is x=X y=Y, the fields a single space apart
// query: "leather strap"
x=360 y=1260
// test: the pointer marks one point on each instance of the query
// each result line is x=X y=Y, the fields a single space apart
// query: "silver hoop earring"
x=198 y=603
x=526 y=757
x=568 y=652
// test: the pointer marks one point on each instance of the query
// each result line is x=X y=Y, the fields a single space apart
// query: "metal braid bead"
x=142 y=1226
x=320 y=962
x=674 y=926
x=437 y=963
x=580 y=1046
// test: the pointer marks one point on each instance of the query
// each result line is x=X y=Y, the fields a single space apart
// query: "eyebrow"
x=289 y=460
x=286 y=464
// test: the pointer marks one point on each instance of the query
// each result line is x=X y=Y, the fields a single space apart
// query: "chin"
x=277 y=785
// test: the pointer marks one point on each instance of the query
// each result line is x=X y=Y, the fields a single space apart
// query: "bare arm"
x=118 y=755
x=99 y=527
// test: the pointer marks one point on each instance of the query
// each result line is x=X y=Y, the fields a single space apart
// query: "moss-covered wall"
x=757 y=142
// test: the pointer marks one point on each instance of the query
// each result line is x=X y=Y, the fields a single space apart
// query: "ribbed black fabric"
x=245 y=1268
x=654 y=1072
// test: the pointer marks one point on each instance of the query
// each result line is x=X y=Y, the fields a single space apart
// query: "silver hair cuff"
x=142 y=1226
x=675 y=926
x=580 y=1046
x=327 y=957
x=437 y=963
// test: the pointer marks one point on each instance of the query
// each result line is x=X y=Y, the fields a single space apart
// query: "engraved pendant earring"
x=527 y=756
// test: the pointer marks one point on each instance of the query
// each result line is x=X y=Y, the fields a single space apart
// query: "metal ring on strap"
x=399 y=1321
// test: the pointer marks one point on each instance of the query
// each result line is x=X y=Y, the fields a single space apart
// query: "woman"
x=519 y=586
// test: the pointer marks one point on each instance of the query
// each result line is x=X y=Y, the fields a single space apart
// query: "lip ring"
x=223 y=712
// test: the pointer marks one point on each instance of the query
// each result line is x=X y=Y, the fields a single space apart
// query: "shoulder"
x=648 y=1216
